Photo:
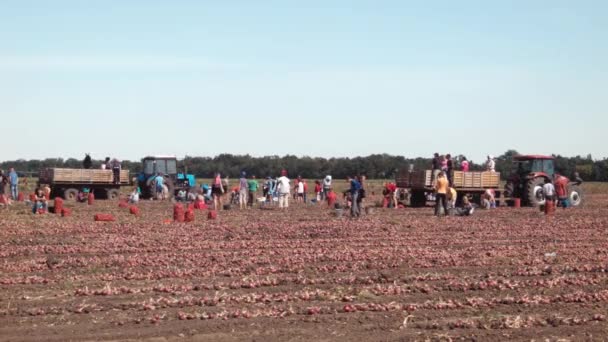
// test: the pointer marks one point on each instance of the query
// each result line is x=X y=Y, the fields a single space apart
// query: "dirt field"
x=304 y=275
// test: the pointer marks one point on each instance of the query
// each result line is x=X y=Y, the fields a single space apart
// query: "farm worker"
x=106 y=164
x=206 y=192
x=14 y=181
x=3 y=182
x=331 y=198
x=283 y=190
x=47 y=191
x=181 y=195
x=39 y=202
x=449 y=168
x=441 y=190
x=452 y=195
x=561 y=189
x=490 y=164
x=466 y=209
x=243 y=189
x=436 y=168
x=158 y=183
x=488 y=200
x=326 y=186
x=300 y=186
x=217 y=190
x=295 y=187
x=87 y=162
x=134 y=196
x=389 y=195
x=270 y=189
x=318 y=190
x=355 y=187
x=464 y=165
x=305 y=189
x=253 y=186
x=116 y=170
x=225 y=184
x=549 y=190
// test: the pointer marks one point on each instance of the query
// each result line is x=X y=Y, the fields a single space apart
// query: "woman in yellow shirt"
x=441 y=190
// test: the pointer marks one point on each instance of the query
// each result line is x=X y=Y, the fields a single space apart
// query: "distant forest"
x=375 y=166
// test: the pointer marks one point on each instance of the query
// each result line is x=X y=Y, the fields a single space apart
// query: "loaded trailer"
x=67 y=183
x=420 y=184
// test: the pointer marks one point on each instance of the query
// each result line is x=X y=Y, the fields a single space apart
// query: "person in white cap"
x=490 y=164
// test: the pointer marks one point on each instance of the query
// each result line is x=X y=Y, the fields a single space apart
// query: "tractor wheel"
x=70 y=194
x=535 y=192
x=575 y=195
x=417 y=199
x=112 y=194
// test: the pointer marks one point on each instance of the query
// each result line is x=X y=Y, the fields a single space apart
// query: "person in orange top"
x=561 y=189
x=441 y=190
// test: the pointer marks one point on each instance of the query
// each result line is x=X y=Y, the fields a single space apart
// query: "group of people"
x=446 y=197
x=556 y=190
x=9 y=186
x=108 y=164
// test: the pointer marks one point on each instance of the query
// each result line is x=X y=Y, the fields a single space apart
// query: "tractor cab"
x=166 y=166
x=531 y=166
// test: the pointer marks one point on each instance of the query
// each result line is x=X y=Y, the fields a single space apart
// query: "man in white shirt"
x=490 y=164
x=283 y=190
x=549 y=190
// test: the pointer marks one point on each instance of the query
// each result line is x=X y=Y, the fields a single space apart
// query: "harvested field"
x=303 y=274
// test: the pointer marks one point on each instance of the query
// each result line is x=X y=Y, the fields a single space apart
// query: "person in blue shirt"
x=355 y=187
x=159 y=182
x=14 y=181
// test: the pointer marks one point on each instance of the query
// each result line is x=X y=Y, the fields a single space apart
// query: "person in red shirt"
x=318 y=190
x=561 y=189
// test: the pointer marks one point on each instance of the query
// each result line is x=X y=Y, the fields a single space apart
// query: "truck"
x=67 y=183
x=166 y=166
x=419 y=183
x=529 y=173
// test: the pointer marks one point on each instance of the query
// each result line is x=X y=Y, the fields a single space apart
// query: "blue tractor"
x=167 y=167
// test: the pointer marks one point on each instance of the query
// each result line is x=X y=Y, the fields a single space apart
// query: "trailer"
x=420 y=184
x=67 y=183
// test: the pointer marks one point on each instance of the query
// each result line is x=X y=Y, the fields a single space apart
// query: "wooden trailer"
x=474 y=183
x=67 y=183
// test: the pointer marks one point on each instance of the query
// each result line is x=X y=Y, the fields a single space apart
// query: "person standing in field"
x=441 y=190
x=14 y=182
x=300 y=188
x=355 y=188
x=270 y=185
x=436 y=168
x=243 y=189
x=3 y=182
x=326 y=186
x=253 y=189
x=561 y=190
x=318 y=190
x=283 y=190
x=159 y=183
x=464 y=165
x=305 y=189
x=549 y=190
x=217 y=190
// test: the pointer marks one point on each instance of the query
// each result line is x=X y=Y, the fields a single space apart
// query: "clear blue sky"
x=321 y=78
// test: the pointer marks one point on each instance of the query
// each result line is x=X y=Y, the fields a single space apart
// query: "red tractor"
x=528 y=176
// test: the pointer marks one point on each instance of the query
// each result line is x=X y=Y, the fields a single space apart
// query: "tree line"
x=375 y=166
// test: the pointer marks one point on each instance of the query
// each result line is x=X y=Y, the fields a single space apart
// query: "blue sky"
x=319 y=78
